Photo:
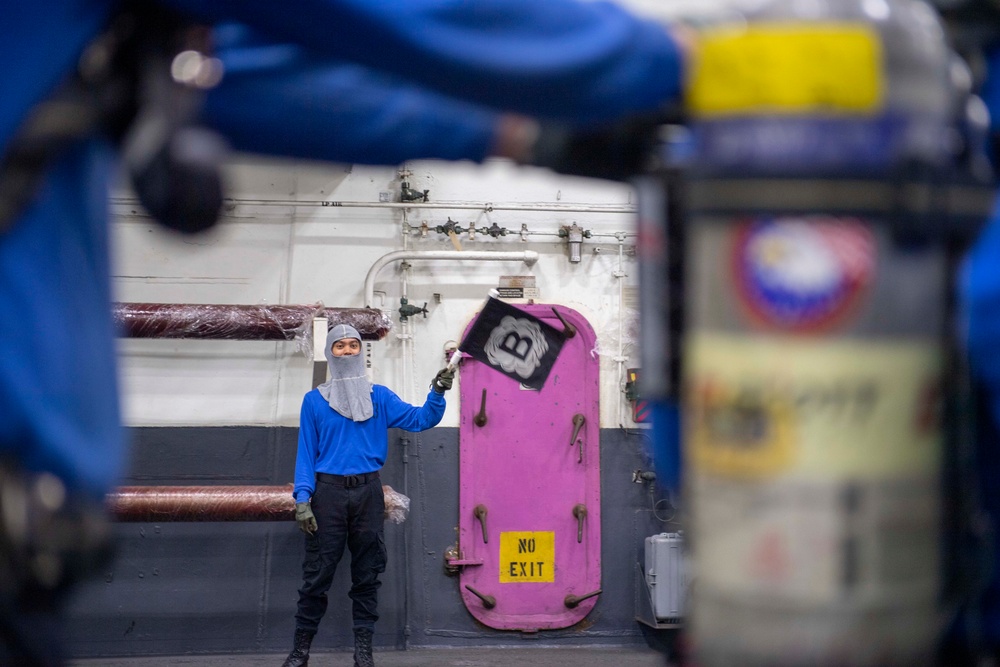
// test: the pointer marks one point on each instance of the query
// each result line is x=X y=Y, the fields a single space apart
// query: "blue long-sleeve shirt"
x=334 y=444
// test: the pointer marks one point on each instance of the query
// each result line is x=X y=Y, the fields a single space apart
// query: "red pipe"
x=202 y=503
x=236 y=322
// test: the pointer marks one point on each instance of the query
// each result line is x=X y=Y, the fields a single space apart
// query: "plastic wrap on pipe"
x=202 y=503
x=241 y=322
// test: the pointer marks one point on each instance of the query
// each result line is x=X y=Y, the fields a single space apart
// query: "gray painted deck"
x=431 y=657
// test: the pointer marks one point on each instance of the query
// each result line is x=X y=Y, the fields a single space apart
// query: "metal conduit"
x=240 y=322
x=201 y=503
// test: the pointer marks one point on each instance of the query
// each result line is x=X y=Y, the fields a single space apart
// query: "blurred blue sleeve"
x=666 y=445
x=277 y=99
x=979 y=318
x=979 y=279
x=980 y=301
x=561 y=59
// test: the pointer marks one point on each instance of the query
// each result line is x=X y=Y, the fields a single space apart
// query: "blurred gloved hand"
x=615 y=152
x=305 y=518
x=443 y=380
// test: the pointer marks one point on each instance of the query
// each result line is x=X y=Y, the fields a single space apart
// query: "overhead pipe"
x=488 y=207
x=201 y=503
x=529 y=257
x=240 y=322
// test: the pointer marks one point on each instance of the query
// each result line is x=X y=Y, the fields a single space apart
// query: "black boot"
x=363 y=648
x=299 y=657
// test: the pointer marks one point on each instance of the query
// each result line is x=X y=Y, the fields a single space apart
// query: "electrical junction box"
x=666 y=575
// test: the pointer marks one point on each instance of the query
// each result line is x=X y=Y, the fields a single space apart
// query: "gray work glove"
x=443 y=380
x=305 y=518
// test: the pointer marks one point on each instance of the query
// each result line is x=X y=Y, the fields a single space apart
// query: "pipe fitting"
x=407 y=194
x=574 y=235
x=529 y=257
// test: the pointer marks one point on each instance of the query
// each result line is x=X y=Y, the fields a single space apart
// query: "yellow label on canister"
x=527 y=557
x=767 y=406
x=768 y=68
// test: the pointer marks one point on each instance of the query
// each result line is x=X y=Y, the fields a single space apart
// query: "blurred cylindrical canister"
x=813 y=367
x=814 y=344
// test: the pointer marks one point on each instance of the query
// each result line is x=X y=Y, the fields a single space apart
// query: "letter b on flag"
x=517 y=344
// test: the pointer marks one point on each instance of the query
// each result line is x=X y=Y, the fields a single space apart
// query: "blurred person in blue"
x=978 y=634
x=157 y=90
x=974 y=638
x=343 y=442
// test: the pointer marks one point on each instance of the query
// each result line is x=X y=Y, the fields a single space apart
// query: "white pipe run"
x=488 y=207
x=529 y=257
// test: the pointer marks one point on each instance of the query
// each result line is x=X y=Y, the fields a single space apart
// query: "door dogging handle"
x=568 y=329
x=480 y=513
x=488 y=600
x=580 y=512
x=572 y=601
x=480 y=418
x=578 y=421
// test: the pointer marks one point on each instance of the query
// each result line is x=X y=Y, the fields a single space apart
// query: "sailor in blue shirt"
x=343 y=441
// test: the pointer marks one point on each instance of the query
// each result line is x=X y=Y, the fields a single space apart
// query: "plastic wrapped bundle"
x=396 y=504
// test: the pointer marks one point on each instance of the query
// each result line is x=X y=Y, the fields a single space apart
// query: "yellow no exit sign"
x=527 y=557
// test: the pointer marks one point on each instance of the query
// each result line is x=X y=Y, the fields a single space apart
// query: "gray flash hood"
x=348 y=390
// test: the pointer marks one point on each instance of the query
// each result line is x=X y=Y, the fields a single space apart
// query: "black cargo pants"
x=350 y=511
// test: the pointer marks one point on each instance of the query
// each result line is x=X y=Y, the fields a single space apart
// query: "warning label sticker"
x=763 y=406
x=527 y=557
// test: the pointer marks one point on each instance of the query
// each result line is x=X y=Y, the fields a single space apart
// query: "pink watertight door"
x=530 y=496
